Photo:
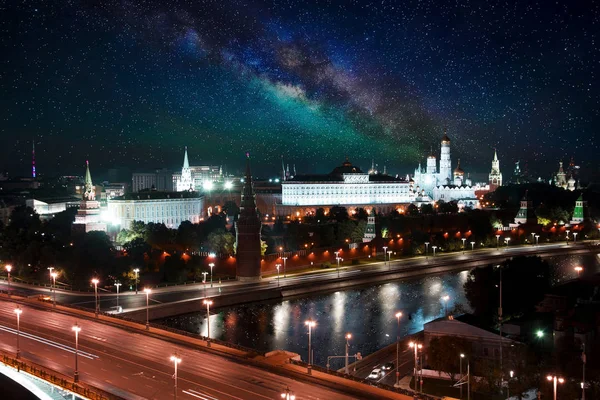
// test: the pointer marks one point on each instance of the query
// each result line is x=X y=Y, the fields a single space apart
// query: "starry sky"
x=131 y=82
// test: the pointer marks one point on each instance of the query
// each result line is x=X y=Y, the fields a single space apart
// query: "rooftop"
x=155 y=195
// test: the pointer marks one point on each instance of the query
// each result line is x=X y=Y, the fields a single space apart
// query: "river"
x=368 y=313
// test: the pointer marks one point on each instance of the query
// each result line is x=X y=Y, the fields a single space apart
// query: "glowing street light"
x=575 y=237
x=338 y=264
x=461 y=374
x=117 y=284
x=555 y=380
x=208 y=303
x=507 y=240
x=18 y=312
x=147 y=291
x=497 y=242
x=136 y=271
x=463 y=246
x=389 y=259
x=512 y=374
x=95 y=282
x=434 y=248
x=8 y=269
x=578 y=270
x=76 y=328
x=284 y=260
x=348 y=337
x=472 y=246
x=176 y=360
x=288 y=394
x=426 y=249
x=532 y=237
x=211 y=265
x=311 y=324
x=53 y=275
x=417 y=347
x=384 y=255
x=537 y=240
x=398 y=316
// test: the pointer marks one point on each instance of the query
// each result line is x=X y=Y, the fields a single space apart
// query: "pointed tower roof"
x=89 y=192
x=248 y=203
x=495 y=155
x=459 y=170
x=445 y=138
x=186 y=163
x=88 y=175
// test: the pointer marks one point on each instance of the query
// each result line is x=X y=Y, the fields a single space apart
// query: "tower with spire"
x=495 y=178
x=579 y=211
x=88 y=216
x=561 y=177
x=247 y=228
x=445 y=162
x=33 y=174
x=186 y=182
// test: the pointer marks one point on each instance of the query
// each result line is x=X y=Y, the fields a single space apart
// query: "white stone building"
x=169 y=208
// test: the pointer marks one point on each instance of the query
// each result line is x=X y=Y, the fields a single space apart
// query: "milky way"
x=132 y=82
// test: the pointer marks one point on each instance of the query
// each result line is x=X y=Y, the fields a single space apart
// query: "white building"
x=161 y=180
x=48 y=207
x=196 y=178
x=345 y=186
x=88 y=216
x=169 y=208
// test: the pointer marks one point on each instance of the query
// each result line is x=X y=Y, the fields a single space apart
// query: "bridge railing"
x=55 y=378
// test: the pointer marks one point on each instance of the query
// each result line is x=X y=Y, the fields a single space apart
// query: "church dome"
x=445 y=139
x=459 y=171
x=346 y=168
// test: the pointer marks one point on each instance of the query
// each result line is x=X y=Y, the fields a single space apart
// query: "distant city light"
x=207 y=185
x=228 y=185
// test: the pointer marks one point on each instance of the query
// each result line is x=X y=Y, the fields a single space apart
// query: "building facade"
x=169 y=208
x=88 y=216
x=495 y=178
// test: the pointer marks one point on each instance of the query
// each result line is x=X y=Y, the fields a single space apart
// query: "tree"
x=443 y=351
x=412 y=210
x=361 y=214
x=338 y=213
x=359 y=232
x=231 y=209
x=221 y=242
x=426 y=209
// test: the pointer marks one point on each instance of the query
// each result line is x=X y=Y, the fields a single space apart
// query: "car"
x=44 y=297
x=388 y=366
x=375 y=374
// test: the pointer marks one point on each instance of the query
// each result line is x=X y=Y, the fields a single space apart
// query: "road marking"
x=124 y=377
x=199 y=395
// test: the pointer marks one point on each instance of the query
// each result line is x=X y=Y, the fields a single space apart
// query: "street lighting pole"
x=507 y=240
x=117 y=284
x=18 y=312
x=512 y=373
x=53 y=274
x=583 y=360
x=575 y=237
x=463 y=240
x=95 y=282
x=284 y=259
x=461 y=374
x=8 y=269
x=434 y=248
x=310 y=323
x=211 y=265
x=555 y=380
x=338 y=264
x=76 y=329
x=50 y=269
x=208 y=304
x=348 y=337
x=472 y=246
x=568 y=231
x=426 y=249
x=497 y=242
x=537 y=240
x=390 y=260
x=416 y=346
x=384 y=255
x=398 y=315
x=204 y=281
x=277 y=266
x=147 y=290
x=532 y=237
x=176 y=360
x=137 y=271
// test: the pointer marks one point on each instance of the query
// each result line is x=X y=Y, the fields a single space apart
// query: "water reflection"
x=366 y=312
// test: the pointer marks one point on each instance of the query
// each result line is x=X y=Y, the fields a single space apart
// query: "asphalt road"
x=129 y=300
x=136 y=366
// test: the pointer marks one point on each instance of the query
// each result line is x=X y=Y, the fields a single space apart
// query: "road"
x=129 y=300
x=137 y=366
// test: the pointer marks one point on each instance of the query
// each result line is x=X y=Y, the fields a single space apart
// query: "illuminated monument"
x=88 y=216
x=247 y=230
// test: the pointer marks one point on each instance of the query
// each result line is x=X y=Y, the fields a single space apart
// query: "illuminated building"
x=88 y=216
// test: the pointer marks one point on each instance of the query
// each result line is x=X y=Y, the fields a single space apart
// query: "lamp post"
x=511 y=373
x=117 y=284
x=507 y=240
x=578 y=270
x=288 y=394
x=76 y=328
x=434 y=248
x=567 y=236
x=446 y=298
x=555 y=380
x=176 y=360
x=532 y=237
x=211 y=265
x=537 y=240
x=575 y=237
x=461 y=374
x=426 y=249
x=472 y=246
x=204 y=281
x=208 y=303
x=284 y=260
x=348 y=337
x=583 y=360
x=18 y=312
x=50 y=269
x=54 y=275
x=277 y=266
x=338 y=258
x=416 y=346
x=497 y=242
x=398 y=315
x=148 y=291
x=95 y=282
x=389 y=259
x=311 y=324
x=8 y=269
x=384 y=255
x=136 y=271
x=463 y=240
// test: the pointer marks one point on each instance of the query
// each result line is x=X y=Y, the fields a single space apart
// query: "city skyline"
x=133 y=85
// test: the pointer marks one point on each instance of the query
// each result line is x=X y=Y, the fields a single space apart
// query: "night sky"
x=130 y=83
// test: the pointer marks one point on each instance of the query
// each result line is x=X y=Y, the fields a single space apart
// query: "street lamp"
x=434 y=248
x=54 y=275
x=506 y=240
x=532 y=237
x=288 y=394
x=578 y=269
x=95 y=282
x=176 y=360
x=461 y=374
x=389 y=259
x=148 y=291
x=497 y=242
x=348 y=337
x=76 y=328
x=311 y=324
x=446 y=298
x=416 y=346
x=512 y=374
x=463 y=240
x=211 y=265
x=567 y=235
x=472 y=246
x=136 y=271
x=384 y=255
x=284 y=260
x=575 y=237
x=50 y=269
x=426 y=249
x=277 y=266
x=537 y=240
x=208 y=303
x=8 y=269
x=555 y=380
x=204 y=273
x=18 y=312
x=338 y=263
x=117 y=284
x=398 y=315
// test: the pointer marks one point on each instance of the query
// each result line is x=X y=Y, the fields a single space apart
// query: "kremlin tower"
x=88 y=216
x=445 y=162
x=247 y=228
x=495 y=174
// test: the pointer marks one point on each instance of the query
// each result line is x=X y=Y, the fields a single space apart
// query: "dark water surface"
x=368 y=313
